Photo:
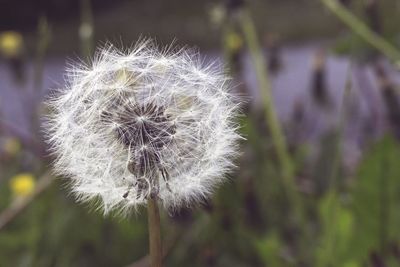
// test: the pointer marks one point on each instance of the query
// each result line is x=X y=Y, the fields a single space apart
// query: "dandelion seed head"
x=143 y=123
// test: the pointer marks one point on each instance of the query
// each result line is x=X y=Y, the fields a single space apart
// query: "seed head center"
x=146 y=131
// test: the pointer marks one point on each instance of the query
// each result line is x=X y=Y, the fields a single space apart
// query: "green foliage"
x=337 y=223
x=376 y=200
x=363 y=222
x=269 y=249
x=54 y=231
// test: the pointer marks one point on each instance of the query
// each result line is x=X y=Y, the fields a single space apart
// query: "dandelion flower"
x=144 y=123
x=22 y=185
x=11 y=43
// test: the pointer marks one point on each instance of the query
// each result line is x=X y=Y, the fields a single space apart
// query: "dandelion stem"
x=277 y=136
x=361 y=29
x=154 y=233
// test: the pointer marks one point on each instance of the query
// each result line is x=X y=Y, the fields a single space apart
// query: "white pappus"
x=143 y=123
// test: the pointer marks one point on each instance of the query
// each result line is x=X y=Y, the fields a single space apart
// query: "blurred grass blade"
x=376 y=201
x=19 y=204
x=278 y=138
x=361 y=29
x=336 y=221
x=86 y=29
x=44 y=36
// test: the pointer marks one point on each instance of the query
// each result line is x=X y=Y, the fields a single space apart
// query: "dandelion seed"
x=144 y=124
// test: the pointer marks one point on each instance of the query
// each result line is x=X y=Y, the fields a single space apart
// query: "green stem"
x=361 y=29
x=86 y=29
x=44 y=35
x=154 y=233
x=333 y=180
x=384 y=202
x=42 y=45
x=275 y=129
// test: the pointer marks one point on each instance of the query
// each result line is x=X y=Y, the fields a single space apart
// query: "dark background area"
x=186 y=21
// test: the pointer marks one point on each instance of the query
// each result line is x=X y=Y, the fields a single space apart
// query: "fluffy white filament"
x=143 y=123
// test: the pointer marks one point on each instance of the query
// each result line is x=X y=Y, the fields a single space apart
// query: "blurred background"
x=318 y=181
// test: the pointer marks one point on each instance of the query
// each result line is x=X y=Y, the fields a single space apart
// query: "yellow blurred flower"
x=11 y=146
x=234 y=41
x=11 y=43
x=22 y=184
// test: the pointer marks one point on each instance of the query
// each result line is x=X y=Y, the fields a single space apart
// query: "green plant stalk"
x=86 y=29
x=384 y=203
x=44 y=37
x=361 y=29
x=19 y=205
x=277 y=136
x=226 y=28
x=330 y=244
x=340 y=129
x=153 y=214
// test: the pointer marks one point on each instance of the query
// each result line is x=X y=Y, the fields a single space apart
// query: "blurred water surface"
x=291 y=93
